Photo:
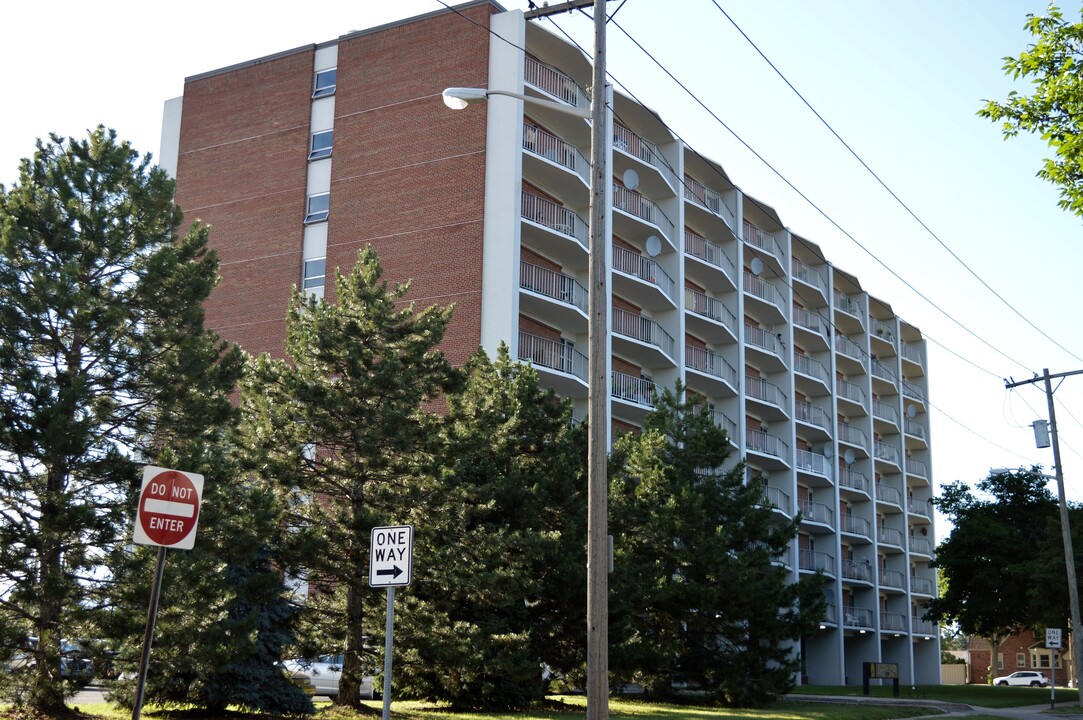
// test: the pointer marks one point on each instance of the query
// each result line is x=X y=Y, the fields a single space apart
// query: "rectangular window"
x=1020 y=659
x=1000 y=661
x=321 y=144
x=314 y=274
x=318 y=207
x=325 y=83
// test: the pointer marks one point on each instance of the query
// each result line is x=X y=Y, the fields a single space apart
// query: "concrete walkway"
x=1064 y=711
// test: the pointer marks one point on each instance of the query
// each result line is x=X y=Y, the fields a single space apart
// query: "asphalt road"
x=88 y=696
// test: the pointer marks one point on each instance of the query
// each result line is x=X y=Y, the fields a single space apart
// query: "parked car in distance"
x=324 y=672
x=1027 y=678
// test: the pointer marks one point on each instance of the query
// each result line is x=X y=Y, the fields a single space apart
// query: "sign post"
x=1053 y=642
x=391 y=560
x=166 y=517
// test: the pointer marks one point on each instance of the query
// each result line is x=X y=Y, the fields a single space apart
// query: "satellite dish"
x=828 y=451
x=911 y=412
x=630 y=178
x=756 y=266
x=848 y=457
x=654 y=245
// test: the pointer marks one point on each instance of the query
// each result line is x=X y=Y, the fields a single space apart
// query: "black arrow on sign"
x=394 y=572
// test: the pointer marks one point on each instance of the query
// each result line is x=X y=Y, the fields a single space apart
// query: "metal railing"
x=830 y=614
x=637 y=390
x=911 y=390
x=808 y=413
x=762 y=339
x=853 y=435
x=885 y=412
x=765 y=391
x=702 y=195
x=883 y=372
x=556 y=217
x=764 y=290
x=553 y=82
x=545 y=144
x=642 y=328
x=856 y=617
x=853 y=480
x=776 y=497
x=912 y=353
x=707 y=306
x=919 y=507
x=923 y=586
x=552 y=354
x=857 y=570
x=850 y=523
x=814 y=463
x=883 y=331
x=644 y=268
x=816 y=512
x=892 y=578
x=914 y=428
x=921 y=545
x=888 y=494
x=893 y=621
x=889 y=536
x=808 y=365
x=552 y=284
x=630 y=142
x=766 y=443
x=711 y=363
x=917 y=468
x=849 y=348
x=808 y=275
x=815 y=560
x=643 y=208
x=847 y=304
x=882 y=451
x=810 y=321
x=924 y=627
x=709 y=252
x=765 y=241
x=850 y=391
x=723 y=421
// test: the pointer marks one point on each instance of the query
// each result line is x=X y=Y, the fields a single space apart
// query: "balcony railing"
x=635 y=204
x=885 y=452
x=644 y=268
x=915 y=429
x=642 y=328
x=545 y=144
x=895 y=622
x=922 y=586
x=723 y=421
x=830 y=613
x=885 y=412
x=707 y=306
x=850 y=391
x=552 y=354
x=853 y=480
x=912 y=353
x=702 y=195
x=710 y=363
x=628 y=141
x=762 y=339
x=921 y=545
x=917 y=468
x=553 y=82
x=816 y=512
x=810 y=321
x=766 y=443
x=889 y=536
x=850 y=523
x=919 y=507
x=849 y=348
x=555 y=217
x=892 y=578
x=808 y=413
x=853 y=435
x=923 y=627
x=764 y=290
x=710 y=253
x=888 y=494
x=847 y=304
x=857 y=570
x=637 y=390
x=808 y=275
x=774 y=496
x=552 y=284
x=765 y=391
x=883 y=372
x=856 y=617
x=807 y=365
x=911 y=390
x=814 y=463
x=763 y=240
x=883 y=331
x=814 y=560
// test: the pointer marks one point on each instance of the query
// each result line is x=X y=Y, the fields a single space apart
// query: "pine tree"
x=499 y=598
x=696 y=597
x=103 y=355
x=345 y=425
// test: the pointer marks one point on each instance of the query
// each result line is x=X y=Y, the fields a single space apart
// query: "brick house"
x=1022 y=651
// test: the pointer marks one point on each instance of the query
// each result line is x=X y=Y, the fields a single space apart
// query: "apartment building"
x=299 y=159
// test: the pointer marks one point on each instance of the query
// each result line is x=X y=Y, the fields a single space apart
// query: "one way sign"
x=391 y=555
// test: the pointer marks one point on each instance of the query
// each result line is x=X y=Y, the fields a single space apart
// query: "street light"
x=597 y=685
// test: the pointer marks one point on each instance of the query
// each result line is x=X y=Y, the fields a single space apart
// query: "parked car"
x=324 y=672
x=75 y=664
x=1027 y=678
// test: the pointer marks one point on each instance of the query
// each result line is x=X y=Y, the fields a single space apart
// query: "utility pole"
x=1065 y=528
x=597 y=685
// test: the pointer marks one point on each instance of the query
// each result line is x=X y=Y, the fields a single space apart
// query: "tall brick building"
x=299 y=159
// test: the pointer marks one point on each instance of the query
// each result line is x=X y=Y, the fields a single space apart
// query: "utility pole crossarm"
x=537 y=12
x=1041 y=378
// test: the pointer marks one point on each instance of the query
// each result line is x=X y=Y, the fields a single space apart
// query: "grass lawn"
x=977 y=695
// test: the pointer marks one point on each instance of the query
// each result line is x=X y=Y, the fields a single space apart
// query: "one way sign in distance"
x=391 y=556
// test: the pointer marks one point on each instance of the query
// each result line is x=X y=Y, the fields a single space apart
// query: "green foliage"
x=344 y=426
x=500 y=542
x=1055 y=108
x=102 y=355
x=696 y=596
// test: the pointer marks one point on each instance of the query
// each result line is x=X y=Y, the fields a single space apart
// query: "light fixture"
x=457 y=98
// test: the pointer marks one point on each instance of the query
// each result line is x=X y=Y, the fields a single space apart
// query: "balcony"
x=628 y=142
x=889 y=536
x=848 y=348
x=914 y=429
x=711 y=254
x=638 y=391
x=557 y=218
x=854 y=525
x=855 y=617
x=892 y=579
x=645 y=330
x=912 y=353
x=850 y=306
x=714 y=366
x=647 y=270
x=644 y=209
x=893 y=622
x=921 y=586
x=883 y=372
x=913 y=391
x=764 y=242
x=560 y=365
x=853 y=436
x=917 y=469
x=920 y=507
x=921 y=546
x=882 y=331
x=883 y=411
x=811 y=561
x=711 y=308
x=814 y=463
x=853 y=480
x=812 y=368
x=810 y=414
x=809 y=275
x=890 y=495
x=847 y=390
x=723 y=421
x=859 y=570
x=768 y=345
x=888 y=453
x=766 y=392
x=708 y=199
x=830 y=614
x=813 y=323
x=544 y=144
x=766 y=444
x=922 y=627
x=774 y=302
x=776 y=498
x=815 y=512
x=561 y=296
x=554 y=83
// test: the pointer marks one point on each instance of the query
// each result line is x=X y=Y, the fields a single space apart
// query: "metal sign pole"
x=388 y=644
x=148 y=635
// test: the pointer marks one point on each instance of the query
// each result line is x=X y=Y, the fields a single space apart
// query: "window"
x=314 y=275
x=325 y=83
x=1020 y=659
x=318 y=207
x=1000 y=661
x=321 y=144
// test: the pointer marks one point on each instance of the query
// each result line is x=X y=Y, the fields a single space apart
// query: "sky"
x=900 y=82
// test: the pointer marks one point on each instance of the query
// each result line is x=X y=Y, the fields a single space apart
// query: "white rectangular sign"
x=391 y=556
x=1052 y=638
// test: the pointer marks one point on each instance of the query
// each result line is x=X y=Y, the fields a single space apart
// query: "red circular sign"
x=168 y=507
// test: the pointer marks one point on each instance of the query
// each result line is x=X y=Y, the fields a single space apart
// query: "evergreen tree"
x=344 y=424
x=696 y=595
x=499 y=596
x=103 y=355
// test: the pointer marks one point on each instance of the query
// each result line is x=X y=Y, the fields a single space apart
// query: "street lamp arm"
x=458 y=98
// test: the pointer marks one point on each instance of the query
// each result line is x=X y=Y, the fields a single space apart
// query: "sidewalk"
x=1026 y=712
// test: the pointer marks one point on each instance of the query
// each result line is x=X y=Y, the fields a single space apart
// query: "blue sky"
x=900 y=82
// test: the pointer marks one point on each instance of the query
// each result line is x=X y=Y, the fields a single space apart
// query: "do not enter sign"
x=168 y=508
